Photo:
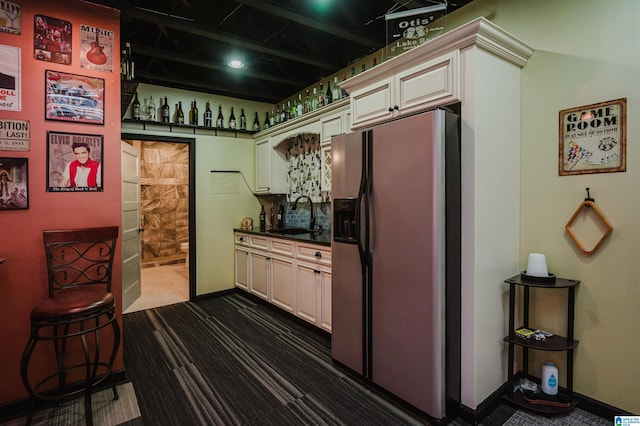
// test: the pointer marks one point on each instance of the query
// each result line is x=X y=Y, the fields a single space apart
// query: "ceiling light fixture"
x=236 y=63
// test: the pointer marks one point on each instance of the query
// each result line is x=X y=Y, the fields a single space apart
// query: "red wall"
x=23 y=278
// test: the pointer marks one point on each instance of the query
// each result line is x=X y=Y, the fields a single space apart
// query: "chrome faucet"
x=312 y=219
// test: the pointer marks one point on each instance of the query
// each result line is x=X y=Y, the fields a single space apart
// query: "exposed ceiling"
x=287 y=44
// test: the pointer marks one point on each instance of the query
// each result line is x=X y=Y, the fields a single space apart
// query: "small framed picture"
x=14 y=183
x=52 y=39
x=74 y=98
x=74 y=162
x=593 y=138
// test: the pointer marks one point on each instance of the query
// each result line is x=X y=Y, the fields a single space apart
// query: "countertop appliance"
x=396 y=258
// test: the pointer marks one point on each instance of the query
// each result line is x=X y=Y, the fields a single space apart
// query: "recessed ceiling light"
x=236 y=63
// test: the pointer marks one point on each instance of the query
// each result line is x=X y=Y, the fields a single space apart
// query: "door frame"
x=191 y=142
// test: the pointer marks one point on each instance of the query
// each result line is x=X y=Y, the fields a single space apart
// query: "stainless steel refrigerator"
x=396 y=258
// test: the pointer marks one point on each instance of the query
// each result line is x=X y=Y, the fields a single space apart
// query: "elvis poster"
x=74 y=162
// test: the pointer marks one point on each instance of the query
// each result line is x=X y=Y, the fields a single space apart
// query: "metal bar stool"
x=79 y=306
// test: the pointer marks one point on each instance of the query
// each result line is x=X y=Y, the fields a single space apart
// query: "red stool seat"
x=73 y=303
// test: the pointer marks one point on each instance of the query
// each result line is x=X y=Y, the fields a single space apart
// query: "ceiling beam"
x=323 y=26
x=163 y=19
x=204 y=63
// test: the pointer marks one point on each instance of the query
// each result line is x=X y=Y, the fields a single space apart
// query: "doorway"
x=167 y=218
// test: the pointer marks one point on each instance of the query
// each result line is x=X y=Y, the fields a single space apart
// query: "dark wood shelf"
x=553 y=343
x=171 y=126
x=517 y=398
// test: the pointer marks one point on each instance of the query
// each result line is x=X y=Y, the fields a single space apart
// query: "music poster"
x=96 y=48
x=10 y=78
x=52 y=39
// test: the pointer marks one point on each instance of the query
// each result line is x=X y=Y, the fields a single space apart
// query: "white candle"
x=537 y=265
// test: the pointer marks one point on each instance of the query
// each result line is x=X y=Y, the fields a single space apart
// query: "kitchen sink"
x=290 y=231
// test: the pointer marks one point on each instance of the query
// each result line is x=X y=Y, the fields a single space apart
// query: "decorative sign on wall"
x=74 y=98
x=52 y=39
x=14 y=185
x=74 y=162
x=10 y=17
x=10 y=79
x=593 y=138
x=14 y=135
x=96 y=48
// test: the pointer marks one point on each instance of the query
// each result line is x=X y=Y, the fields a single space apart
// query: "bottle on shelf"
x=280 y=216
x=375 y=61
x=243 y=120
x=278 y=116
x=272 y=120
x=364 y=67
x=307 y=103
x=267 y=121
x=337 y=93
x=299 y=107
x=286 y=112
x=180 y=114
x=343 y=91
x=321 y=100
x=232 y=120
x=136 y=107
x=220 y=119
x=256 y=123
x=263 y=219
x=144 y=112
x=314 y=100
x=294 y=109
x=208 y=116
x=166 y=111
x=328 y=96
x=193 y=113
x=127 y=66
x=353 y=71
x=152 y=109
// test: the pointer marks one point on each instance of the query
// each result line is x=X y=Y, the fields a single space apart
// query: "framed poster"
x=52 y=39
x=10 y=17
x=96 y=48
x=10 y=78
x=14 y=184
x=74 y=98
x=593 y=138
x=74 y=162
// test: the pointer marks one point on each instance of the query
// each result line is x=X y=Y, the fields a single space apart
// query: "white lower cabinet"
x=294 y=276
x=314 y=294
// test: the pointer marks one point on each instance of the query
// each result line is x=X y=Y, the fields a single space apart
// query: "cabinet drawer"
x=282 y=246
x=314 y=253
x=259 y=242
x=242 y=239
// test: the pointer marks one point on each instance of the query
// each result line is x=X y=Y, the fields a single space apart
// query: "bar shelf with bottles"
x=149 y=118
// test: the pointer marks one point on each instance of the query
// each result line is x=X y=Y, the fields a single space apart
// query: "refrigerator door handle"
x=362 y=198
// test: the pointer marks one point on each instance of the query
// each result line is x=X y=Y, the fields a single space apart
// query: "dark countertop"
x=324 y=239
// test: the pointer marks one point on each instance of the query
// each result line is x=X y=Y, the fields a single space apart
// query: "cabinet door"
x=325 y=172
x=243 y=272
x=373 y=104
x=307 y=295
x=263 y=165
x=433 y=83
x=282 y=284
x=259 y=283
x=324 y=320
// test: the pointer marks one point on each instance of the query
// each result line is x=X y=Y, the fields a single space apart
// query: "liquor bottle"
x=256 y=123
x=353 y=71
x=232 y=120
x=285 y=114
x=263 y=219
x=208 y=116
x=328 y=96
x=314 y=100
x=272 y=120
x=165 y=111
x=136 y=107
x=124 y=73
x=364 y=67
x=375 y=62
x=191 y=113
x=131 y=66
x=299 y=107
x=280 y=216
x=175 y=113
x=337 y=93
x=152 y=109
x=243 y=120
x=343 y=90
x=195 y=113
x=220 y=119
x=180 y=114
x=321 y=97
x=267 y=121
x=294 y=109
x=278 y=116
x=307 y=103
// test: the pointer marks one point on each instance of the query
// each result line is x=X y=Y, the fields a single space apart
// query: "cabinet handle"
x=315 y=271
x=268 y=258
x=390 y=109
x=241 y=239
x=396 y=107
x=318 y=254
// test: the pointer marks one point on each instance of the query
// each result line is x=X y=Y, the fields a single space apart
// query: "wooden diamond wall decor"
x=604 y=224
